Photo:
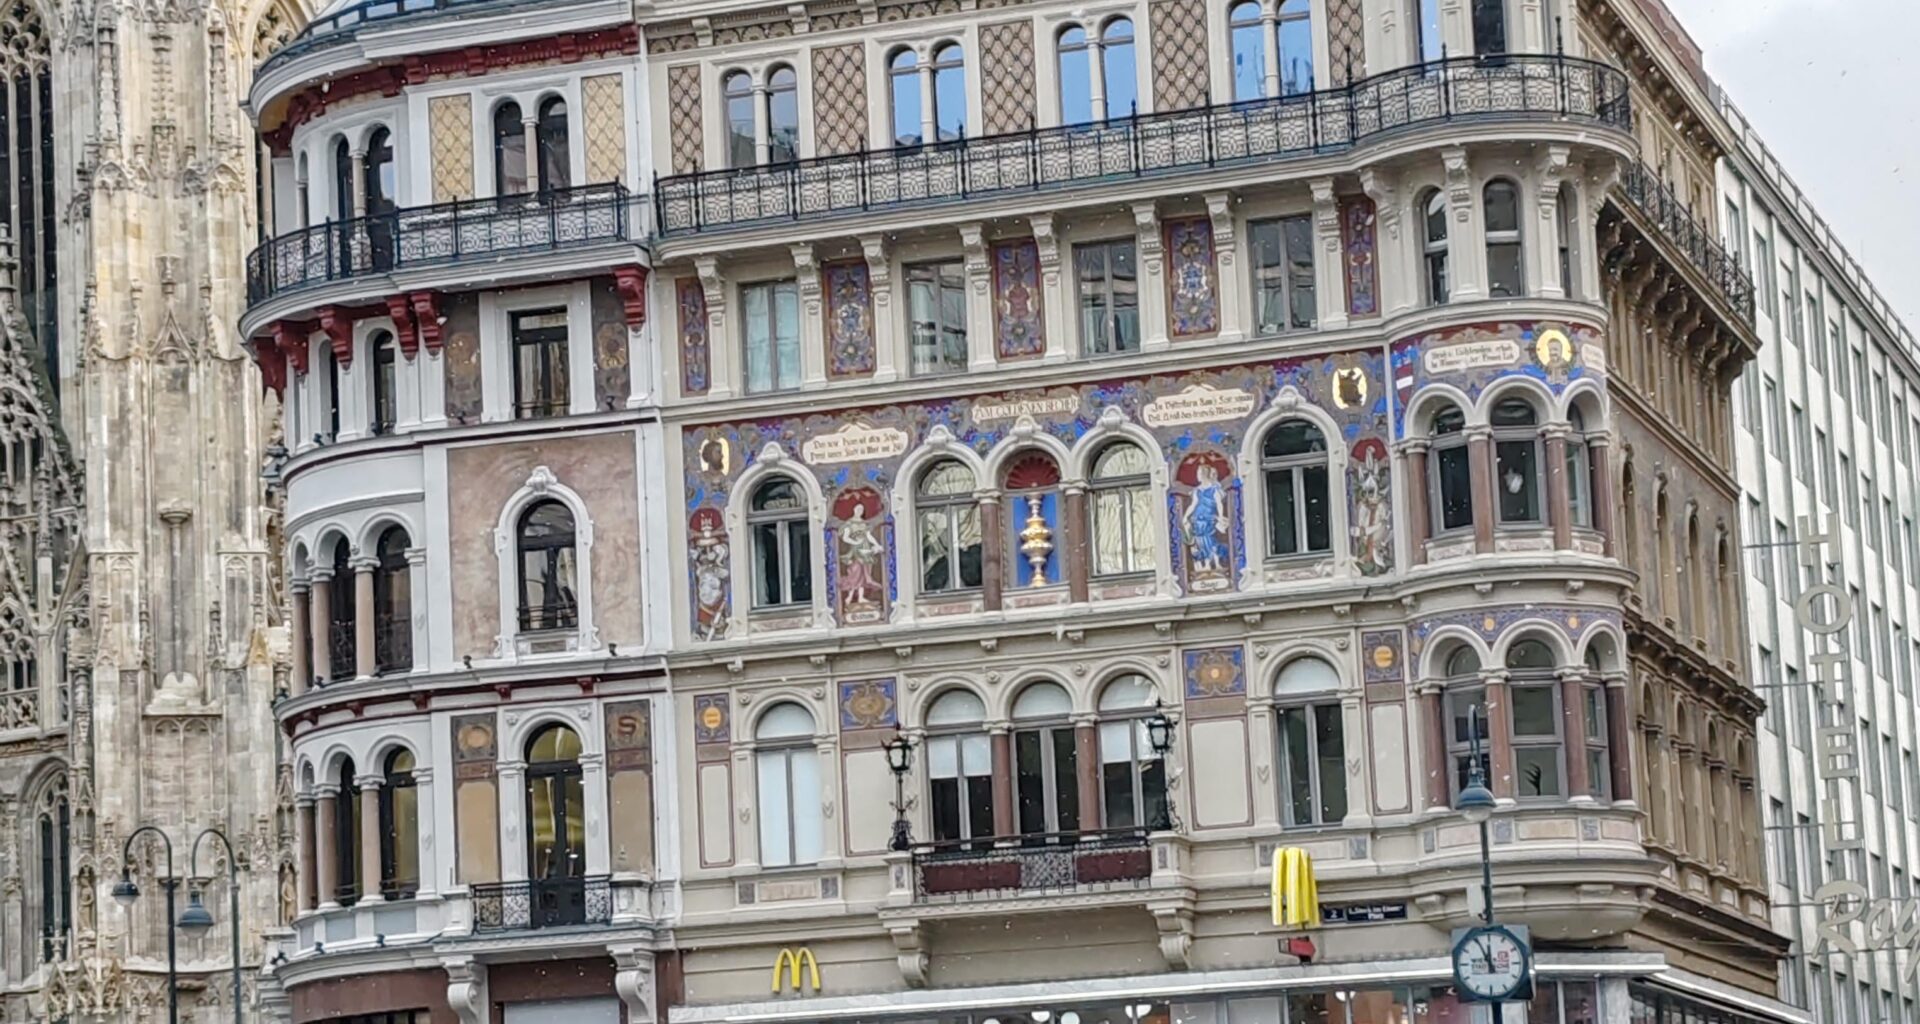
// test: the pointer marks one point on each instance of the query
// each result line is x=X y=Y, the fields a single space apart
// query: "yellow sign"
x=795 y=960
x=1296 y=895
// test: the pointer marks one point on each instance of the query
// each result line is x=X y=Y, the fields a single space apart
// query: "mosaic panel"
x=850 y=344
x=687 y=132
x=1019 y=328
x=840 y=99
x=1193 y=294
x=868 y=704
x=1006 y=75
x=690 y=306
x=450 y=123
x=1359 y=242
x=1574 y=622
x=462 y=357
x=1381 y=656
x=604 y=126
x=1179 y=53
x=1475 y=356
x=712 y=719
x=629 y=735
x=1214 y=672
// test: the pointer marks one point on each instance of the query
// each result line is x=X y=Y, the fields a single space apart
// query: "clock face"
x=1490 y=964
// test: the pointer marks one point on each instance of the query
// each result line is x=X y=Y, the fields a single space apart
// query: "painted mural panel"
x=690 y=306
x=1193 y=294
x=612 y=381
x=850 y=344
x=1474 y=357
x=1019 y=328
x=1359 y=243
x=462 y=331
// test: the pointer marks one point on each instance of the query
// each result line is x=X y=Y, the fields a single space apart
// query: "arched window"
x=950 y=541
x=1247 y=30
x=548 y=567
x=1074 y=64
x=1593 y=695
x=1121 y=76
x=1466 y=715
x=55 y=896
x=1133 y=776
x=1500 y=204
x=333 y=388
x=1663 y=554
x=385 y=387
x=736 y=90
x=1451 y=470
x=393 y=604
x=380 y=181
x=1629 y=501
x=346 y=837
x=1579 y=470
x=1565 y=220
x=1293 y=462
x=341 y=649
x=949 y=92
x=782 y=544
x=959 y=768
x=1033 y=537
x=1720 y=802
x=1046 y=761
x=509 y=150
x=783 y=115
x=1122 y=506
x=1533 y=701
x=303 y=189
x=1696 y=602
x=1433 y=245
x=399 y=828
x=556 y=162
x=1517 y=459
x=1489 y=26
x=29 y=211
x=1294 y=31
x=342 y=179
x=903 y=89
x=1313 y=773
x=1652 y=755
x=556 y=821
x=788 y=773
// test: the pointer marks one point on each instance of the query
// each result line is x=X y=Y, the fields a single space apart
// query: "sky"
x=1833 y=88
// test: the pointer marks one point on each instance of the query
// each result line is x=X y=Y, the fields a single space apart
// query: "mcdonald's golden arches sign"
x=790 y=964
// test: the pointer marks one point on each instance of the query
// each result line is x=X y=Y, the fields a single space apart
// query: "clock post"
x=1492 y=963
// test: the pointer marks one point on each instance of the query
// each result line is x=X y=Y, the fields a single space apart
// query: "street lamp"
x=1160 y=730
x=900 y=761
x=196 y=919
x=1475 y=803
x=125 y=893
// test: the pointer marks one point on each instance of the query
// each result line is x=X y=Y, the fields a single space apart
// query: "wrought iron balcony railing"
x=1505 y=88
x=1674 y=220
x=443 y=233
x=334 y=26
x=991 y=869
x=542 y=903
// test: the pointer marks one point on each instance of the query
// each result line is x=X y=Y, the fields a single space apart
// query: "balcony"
x=438 y=235
x=542 y=903
x=1673 y=221
x=1461 y=90
x=337 y=23
x=995 y=869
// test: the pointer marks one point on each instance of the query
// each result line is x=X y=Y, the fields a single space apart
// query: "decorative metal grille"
x=542 y=903
x=1550 y=87
x=1674 y=221
x=984 y=869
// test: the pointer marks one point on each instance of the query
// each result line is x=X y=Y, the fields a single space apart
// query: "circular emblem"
x=1488 y=625
x=1553 y=349
x=711 y=718
x=1383 y=657
x=476 y=737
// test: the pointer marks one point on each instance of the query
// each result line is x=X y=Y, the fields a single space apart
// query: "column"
x=1602 y=500
x=429 y=865
x=1558 y=514
x=1053 y=307
x=327 y=878
x=530 y=129
x=1086 y=752
x=417 y=624
x=1232 y=281
x=1480 y=464
x=1499 y=735
x=321 y=605
x=593 y=782
x=1413 y=460
x=924 y=69
x=370 y=837
x=1151 y=266
x=761 y=133
x=1330 y=268
x=1573 y=727
x=1434 y=757
x=813 y=328
x=364 y=666
x=308 y=890
x=981 y=355
x=1466 y=258
x=992 y=550
x=1004 y=821
x=1620 y=738
x=513 y=820
x=301 y=628
x=1072 y=538
x=1270 y=50
x=887 y=340
x=358 y=161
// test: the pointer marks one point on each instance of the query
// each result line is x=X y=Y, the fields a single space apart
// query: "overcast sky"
x=1833 y=87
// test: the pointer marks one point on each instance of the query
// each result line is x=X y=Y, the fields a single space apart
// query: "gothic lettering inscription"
x=854 y=443
x=1198 y=404
x=1472 y=355
x=992 y=412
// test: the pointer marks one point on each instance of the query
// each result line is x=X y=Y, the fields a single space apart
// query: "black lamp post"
x=125 y=892
x=1475 y=803
x=196 y=920
x=900 y=761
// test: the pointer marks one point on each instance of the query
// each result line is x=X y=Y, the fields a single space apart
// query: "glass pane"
x=756 y=310
x=943 y=796
x=542 y=827
x=1116 y=784
x=799 y=562
x=1463 y=705
x=1296 y=56
x=969 y=541
x=943 y=757
x=1456 y=488
x=976 y=755
x=980 y=805
x=767 y=574
x=1300 y=270
x=936 y=550
x=740 y=148
x=1282 y=535
x=1249 y=55
x=1319 y=518
x=1066 y=780
x=1109 y=540
x=906 y=106
x=1489 y=26
x=783 y=118
x=573 y=791
x=1538 y=769
x=786 y=329
x=1533 y=711
x=1141 y=558
x=1329 y=744
x=406 y=837
x=950 y=102
x=1297 y=759
x=1030 y=781
x=1123 y=89
x=776 y=810
x=808 y=826
x=1076 y=78
x=1518 y=474
x=1504 y=276
x=1153 y=793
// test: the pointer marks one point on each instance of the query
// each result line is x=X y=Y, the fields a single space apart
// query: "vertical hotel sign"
x=1824 y=611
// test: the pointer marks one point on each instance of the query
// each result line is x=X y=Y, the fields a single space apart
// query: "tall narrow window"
x=55 y=896
x=1489 y=26
x=384 y=385
x=509 y=150
x=379 y=180
x=959 y=768
x=1427 y=23
x=346 y=837
x=556 y=161
x=1506 y=277
x=1046 y=761
x=949 y=92
x=783 y=116
x=1294 y=29
x=737 y=92
x=1579 y=471
x=342 y=180
x=1246 y=28
x=1451 y=471
x=333 y=394
x=782 y=548
x=903 y=87
x=1133 y=776
x=950 y=541
x=1109 y=297
x=1074 y=64
x=1122 y=505
x=1594 y=702
x=1293 y=462
x=340 y=628
x=1466 y=702
x=1516 y=448
x=540 y=364
x=399 y=828
x=1433 y=246
x=1313 y=774
x=1534 y=707
x=28 y=210
x=393 y=604
x=549 y=593
x=788 y=774
x=1283 y=274
x=937 y=317
x=556 y=810
x=771 y=314
x=1564 y=227
x=1121 y=76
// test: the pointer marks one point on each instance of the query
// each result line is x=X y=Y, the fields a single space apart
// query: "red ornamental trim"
x=632 y=285
x=338 y=325
x=400 y=310
x=426 y=319
x=272 y=363
x=291 y=337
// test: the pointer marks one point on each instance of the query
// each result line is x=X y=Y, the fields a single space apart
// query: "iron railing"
x=333 y=27
x=1674 y=220
x=1551 y=86
x=343 y=651
x=393 y=644
x=542 y=903
x=341 y=250
x=985 y=869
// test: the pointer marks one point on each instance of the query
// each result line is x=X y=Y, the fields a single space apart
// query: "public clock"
x=1492 y=964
